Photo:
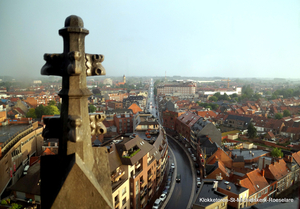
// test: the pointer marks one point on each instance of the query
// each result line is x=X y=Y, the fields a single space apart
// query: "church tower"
x=124 y=79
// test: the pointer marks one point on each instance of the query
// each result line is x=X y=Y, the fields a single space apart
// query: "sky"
x=248 y=38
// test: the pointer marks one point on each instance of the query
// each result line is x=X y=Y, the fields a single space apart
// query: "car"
x=178 y=178
x=170 y=178
x=168 y=183
x=167 y=188
x=173 y=165
x=196 y=165
x=171 y=170
x=162 y=197
x=157 y=203
x=165 y=191
x=198 y=172
x=198 y=184
x=198 y=179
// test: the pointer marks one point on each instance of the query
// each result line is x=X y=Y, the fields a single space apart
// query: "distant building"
x=108 y=81
x=179 y=88
x=37 y=81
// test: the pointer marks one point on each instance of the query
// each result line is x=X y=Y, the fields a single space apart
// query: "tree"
x=276 y=152
x=31 y=113
x=286 y=113
x=52 y=102
x=251 y=131
x=51 y=110
x=92 y=108
x=234 y=95
x=39 y=111
x=278 y=116
x=213 y=98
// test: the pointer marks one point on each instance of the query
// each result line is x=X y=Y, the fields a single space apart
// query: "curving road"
x=183 y=190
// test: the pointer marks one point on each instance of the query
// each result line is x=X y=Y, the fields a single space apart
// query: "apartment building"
x=184 y=123
x=124 y=123
x=137 y=163
x=16 y=152
x=169 y=118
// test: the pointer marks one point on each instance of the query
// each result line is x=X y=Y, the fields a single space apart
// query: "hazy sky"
x=242 y=38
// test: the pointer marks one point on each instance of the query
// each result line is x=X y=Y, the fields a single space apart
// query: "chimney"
x=228 y=187
x=238 y=182
x=263 y=172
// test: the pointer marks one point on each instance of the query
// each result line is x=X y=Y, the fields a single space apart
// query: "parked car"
x=198 y=184
x=165 y=192
x=162 y=197
x=196 y=165
x=157 y=203
x=198 y=172
x=173 y=165
x=198 y=179
x=167 y=188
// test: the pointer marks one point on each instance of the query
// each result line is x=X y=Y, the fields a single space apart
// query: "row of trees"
x=50 y=109
x=252 y=133
x=286 y=113
x=208 y=105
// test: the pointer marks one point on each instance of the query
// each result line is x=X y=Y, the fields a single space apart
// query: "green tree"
x=31 y=113
x=276 y=152
x=214 y=106
x=52 y=102
x=234 y=95
x=3 y=202
x=218 y=94
x=92 y=108
x=251 y=131
x=39 y=111
x=213 y=98
x=278 y=116
x=286 y=113
x=51 y=110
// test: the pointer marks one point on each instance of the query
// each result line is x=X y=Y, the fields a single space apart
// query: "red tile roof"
x=296 y=157
x=276 y=170
x=258 y=181
x=135 y=108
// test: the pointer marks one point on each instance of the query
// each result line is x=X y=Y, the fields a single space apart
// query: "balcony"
x=143 y=191
x=150 y=185
x=143 y=183
x=116 y=177
x=150 y=176
x=157 y=174
x=158 y=167
x=137 y=165
x=131 y=153
x=117 y=203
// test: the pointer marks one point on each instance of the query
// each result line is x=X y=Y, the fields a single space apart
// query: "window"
x=259 y=195
x=124 y=201
x=223 y=204
x=217 y=207
x=124 y=191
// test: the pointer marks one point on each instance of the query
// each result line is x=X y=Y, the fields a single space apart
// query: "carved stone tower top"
x=75 y=125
